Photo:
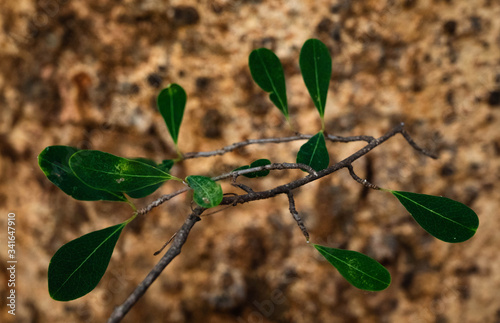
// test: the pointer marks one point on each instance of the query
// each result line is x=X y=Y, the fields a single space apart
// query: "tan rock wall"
x=86 y=74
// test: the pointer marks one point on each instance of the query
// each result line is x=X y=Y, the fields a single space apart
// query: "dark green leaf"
x=207 y=193
x=77 y=267
x=358 y=269
x=257 y=163
x=165 y=166
x=314 y=153
x=54 y=162
x=101 y=170
x=445 y=219
x=316 y=67
x=171 y=103
x=267 y=72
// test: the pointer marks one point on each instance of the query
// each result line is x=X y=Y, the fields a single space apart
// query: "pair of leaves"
x=314 y=153
x=444 y=218
x=257 y=163
x=54 y=162
x=91 y=175
x=315 y=65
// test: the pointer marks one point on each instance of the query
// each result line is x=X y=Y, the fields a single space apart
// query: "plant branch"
x=274 y=166
x=363 y=182
x=296 y=216
x=237 y=145
x=412 y=143
x=183 y=232
x=161 y=200
x=283 y=189
x=172 y=252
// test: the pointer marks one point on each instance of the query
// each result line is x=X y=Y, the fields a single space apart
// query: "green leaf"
x=171 y=103
x=207 y=193
x=257 y=163
x=267 y=72
x=316 y=67
x=54 y=162
x=101 y=170
x=445 y=219
x=314 y=153
x=358 y=269
x=78 y=266
x=165 y=166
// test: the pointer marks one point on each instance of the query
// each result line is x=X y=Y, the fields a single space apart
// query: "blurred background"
x=86 y=74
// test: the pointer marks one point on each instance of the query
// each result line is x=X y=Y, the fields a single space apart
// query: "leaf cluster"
x=91 y=175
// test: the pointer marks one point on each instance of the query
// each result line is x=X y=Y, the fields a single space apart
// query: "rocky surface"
x=86 y=74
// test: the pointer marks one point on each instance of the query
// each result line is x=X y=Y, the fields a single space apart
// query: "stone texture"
x=86 y=74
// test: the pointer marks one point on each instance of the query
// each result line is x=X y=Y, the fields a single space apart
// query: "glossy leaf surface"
x=165 y=166
x=445 y=219
x=105 y=171
x=171 y=103
x=207 y=193
x=358 y=269
x=316 y=68
x=257 y=163
x=314 y=153
x=78 y=266
x=267 y=72
x=54 y=162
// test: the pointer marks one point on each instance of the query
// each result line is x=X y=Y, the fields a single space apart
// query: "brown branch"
x=241 y=144
x=296 y=216
x=363 y=182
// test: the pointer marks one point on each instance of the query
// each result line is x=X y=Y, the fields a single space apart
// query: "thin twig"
x=333 y=138
x=237 y=145
x=412 y=143
x=166 y=244
x=274 y=166
x=161 y=200
x=363 y=182
x=173 y=251
x=242 y=186
x=296 y=216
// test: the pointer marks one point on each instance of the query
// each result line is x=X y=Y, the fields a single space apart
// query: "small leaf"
x=101 y=170
x=165 y=166
x=267 y=72
x=207 y=193
x=78 y=266
x=445 y=219
x=316 y=67
x=358 y=269
x=257 y=163
x=314 y=153
x=54 y=162
x=171 y=103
